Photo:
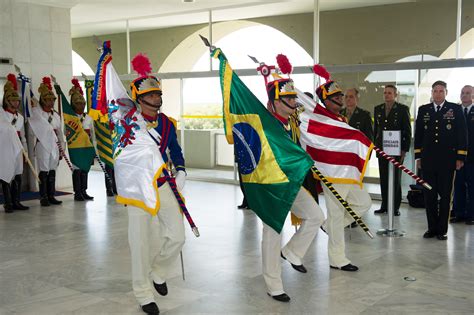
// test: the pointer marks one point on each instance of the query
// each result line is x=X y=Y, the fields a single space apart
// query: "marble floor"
x=74 y=259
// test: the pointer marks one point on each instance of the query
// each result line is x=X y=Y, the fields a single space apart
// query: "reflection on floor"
x=74 y=259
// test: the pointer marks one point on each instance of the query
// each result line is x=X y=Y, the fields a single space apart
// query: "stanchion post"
x=392 y=139
x=391 y=199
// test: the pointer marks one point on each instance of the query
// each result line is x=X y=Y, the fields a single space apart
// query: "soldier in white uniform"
x=11 y=103
x=48 y=161
x=359 y=199
x=79 y=177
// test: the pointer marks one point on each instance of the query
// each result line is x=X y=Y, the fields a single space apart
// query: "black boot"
x=43 y=189
x=16 y=192
x=84 y=186
x=76 y=185
x=110 y=183
x=52 y=188
x=8 y=206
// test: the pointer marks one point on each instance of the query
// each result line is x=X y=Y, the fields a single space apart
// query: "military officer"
x=463 y=208
x=391 y=115
x=440 y=149
x=357 y=117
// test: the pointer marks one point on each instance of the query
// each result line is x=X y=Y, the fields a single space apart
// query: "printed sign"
x=392 y=142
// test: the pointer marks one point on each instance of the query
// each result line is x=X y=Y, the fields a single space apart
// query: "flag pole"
x=102 y=166
x=402 y=167
x=28 y=161
x=344 y=203
x=63 y=154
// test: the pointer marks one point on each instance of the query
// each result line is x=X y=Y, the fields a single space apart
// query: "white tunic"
x=49 y=160
x=18 y=123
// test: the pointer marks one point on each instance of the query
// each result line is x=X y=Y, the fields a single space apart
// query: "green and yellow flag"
x=273 y=167
x=102 y=132
x=81 y=150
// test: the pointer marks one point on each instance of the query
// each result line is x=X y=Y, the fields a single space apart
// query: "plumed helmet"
x=10 y=90
x=46 y=90
x=145 y=83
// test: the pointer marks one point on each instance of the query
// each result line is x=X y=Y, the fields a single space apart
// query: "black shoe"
x=429 y=234
x=299 y=268
x=397 y=213
x=78 y=197
x=243 y=206
x=162 y=288
x=86 y=196
x=442 y=237
x=44 y=202
x=19 y=206
x=281 y=297
x=54 y=201
x=151 y=308
x=348 y=267
x=8 y=208
x=469 y=222
x=380 y=211
x=456 y=220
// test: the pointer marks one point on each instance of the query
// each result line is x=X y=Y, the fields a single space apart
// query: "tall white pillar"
x=38 y=39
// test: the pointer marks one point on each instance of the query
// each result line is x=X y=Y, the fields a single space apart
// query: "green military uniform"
x=361 y=120
x=397 y=119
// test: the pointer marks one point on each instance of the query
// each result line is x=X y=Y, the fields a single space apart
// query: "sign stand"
x=392 y=146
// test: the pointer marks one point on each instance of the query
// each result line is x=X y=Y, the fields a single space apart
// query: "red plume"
x=47 y=82
x=322 y=72
x=75 y=83
x=284 y=64
x=141 y=64
x=12 y=78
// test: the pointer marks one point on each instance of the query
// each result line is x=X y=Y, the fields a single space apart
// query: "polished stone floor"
x=74 y=259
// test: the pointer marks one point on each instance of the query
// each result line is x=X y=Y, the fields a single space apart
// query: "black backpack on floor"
x=415 y=196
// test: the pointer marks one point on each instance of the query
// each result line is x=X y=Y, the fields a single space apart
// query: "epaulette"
x=174 y=121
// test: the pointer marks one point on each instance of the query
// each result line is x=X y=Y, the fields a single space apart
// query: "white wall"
x=38 y=38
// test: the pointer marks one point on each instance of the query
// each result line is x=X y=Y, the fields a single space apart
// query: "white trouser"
x=309 y=211
x=47 y=161
x=171 y=232
x=338 y=218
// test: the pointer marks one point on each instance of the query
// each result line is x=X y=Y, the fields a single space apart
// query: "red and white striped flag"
x=339 y=151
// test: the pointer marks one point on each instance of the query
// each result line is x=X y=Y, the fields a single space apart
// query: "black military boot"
x=110 y=182
x=8 y=206
x=108 y=185
x=76 y=185
x=52 y=188
x=84 y=186
x=43 y=189
x=16 y=192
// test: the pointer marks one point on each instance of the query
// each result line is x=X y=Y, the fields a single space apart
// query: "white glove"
x=180 y=180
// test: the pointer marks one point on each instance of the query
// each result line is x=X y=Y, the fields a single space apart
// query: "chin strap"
x=336 y=102
x=288 y=105
x=152 y=105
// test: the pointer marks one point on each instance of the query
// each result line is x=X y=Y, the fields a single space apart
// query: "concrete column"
x=38 y=39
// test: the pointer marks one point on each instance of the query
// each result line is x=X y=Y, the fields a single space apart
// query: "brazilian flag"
x=102 y=131
x=81 y=150
x=273 y=167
